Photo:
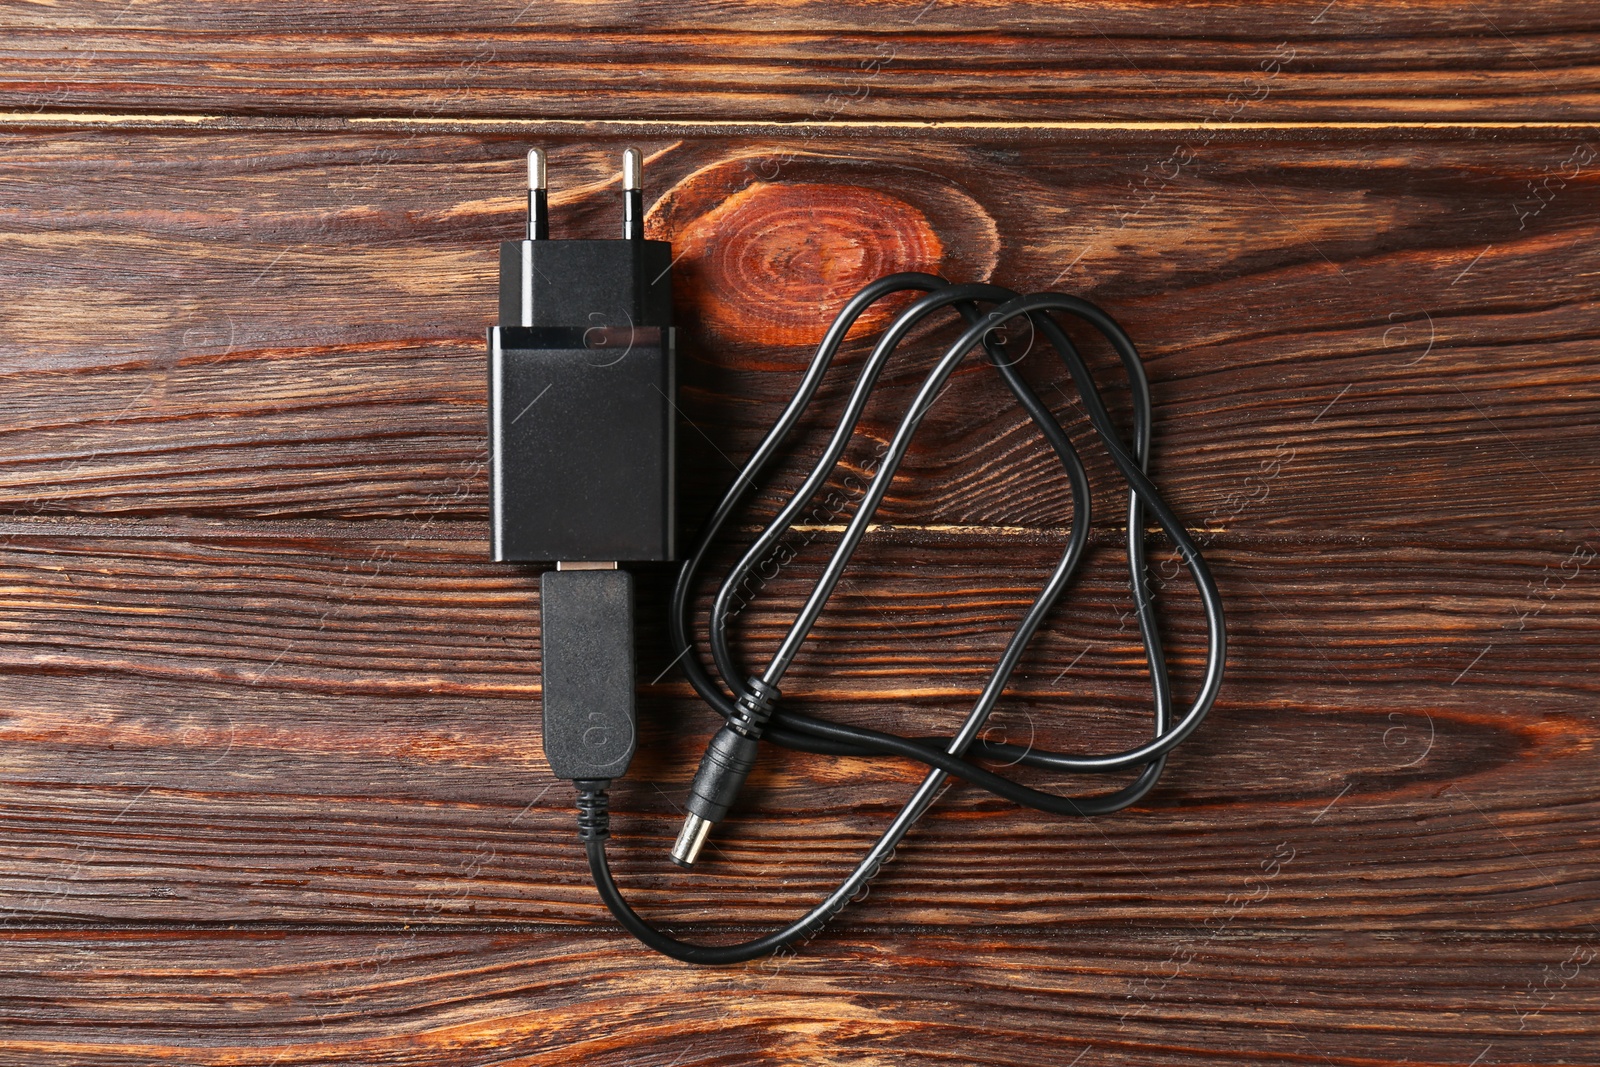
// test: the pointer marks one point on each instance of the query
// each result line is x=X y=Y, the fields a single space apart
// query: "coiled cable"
x=751 y=706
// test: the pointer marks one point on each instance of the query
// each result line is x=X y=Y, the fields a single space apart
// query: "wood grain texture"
x=817 y=62
x=271 y=785
x=1208 y=996
x=357 y=721
x=1346 y=340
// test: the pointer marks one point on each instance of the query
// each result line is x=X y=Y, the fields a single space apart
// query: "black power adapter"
x=582 y=414
x=581 y=391
x=582 y=425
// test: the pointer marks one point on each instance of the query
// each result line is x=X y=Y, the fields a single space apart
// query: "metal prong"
x=691 y=839
x=538 y=198
x=633 y=195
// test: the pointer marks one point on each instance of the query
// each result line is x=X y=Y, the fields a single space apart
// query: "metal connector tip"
x=691 y=839
x=632 y=170
x=536 y=171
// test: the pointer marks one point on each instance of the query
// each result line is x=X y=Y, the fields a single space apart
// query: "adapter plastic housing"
x=582 y=403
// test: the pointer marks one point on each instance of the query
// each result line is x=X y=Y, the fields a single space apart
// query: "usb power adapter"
x=581 y=390
x=582 y=425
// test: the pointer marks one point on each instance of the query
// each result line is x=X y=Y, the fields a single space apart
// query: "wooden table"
x=272 y=790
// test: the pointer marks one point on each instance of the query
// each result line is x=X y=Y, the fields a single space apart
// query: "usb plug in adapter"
x=582 y=420
x=581 y=391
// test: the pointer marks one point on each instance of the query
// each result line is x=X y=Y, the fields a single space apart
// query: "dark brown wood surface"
x=272 y=789
x=1139 y=60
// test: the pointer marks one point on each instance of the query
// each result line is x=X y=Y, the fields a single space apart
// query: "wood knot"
x=773 y=262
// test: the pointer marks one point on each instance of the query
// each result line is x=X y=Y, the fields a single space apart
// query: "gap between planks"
x=464 y=530
x=843 y=931
x=34 y=119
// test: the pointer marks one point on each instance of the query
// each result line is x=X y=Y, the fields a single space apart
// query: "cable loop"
x=752 y=702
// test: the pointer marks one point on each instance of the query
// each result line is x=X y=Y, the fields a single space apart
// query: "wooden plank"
x=1211 y=996
x=241 y=729
x=1295 y=61
x=1370 y=19
x=1353 y=338
x=425 y=615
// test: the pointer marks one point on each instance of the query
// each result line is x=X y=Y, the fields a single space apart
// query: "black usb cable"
x=589 y=329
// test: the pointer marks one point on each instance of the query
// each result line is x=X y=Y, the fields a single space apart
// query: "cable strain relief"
x=754 y=707
x=594 y=810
